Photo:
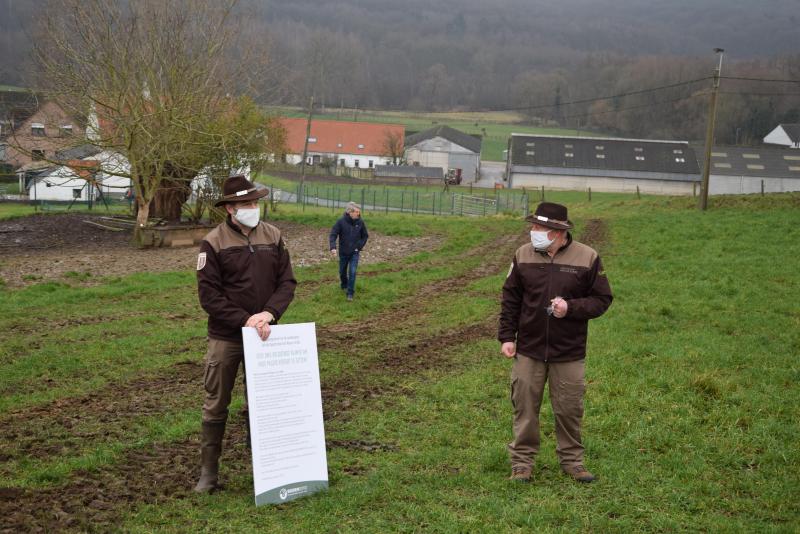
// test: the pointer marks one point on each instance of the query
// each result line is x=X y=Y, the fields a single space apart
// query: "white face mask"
x=540 y=241
x=248 y=216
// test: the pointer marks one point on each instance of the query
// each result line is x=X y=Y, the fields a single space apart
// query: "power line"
x=586 y=100
x=757 y=94
x=651 y=104
x=758 y=79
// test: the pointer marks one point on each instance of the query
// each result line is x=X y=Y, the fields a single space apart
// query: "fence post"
x=694 y=188
x=452 y=204
x=362 y=198
x=637 y=193
x=542 y=193
x=387 y=199
x=762 y=188
x=374 y=200
x=402 y=199
x=590 y=194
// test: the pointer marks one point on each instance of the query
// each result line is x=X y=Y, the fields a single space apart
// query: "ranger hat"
x=551 y=215
x=240 y=189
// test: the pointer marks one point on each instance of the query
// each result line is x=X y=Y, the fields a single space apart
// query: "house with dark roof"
x=604 y=164
x=784 y=135
x=349 y=144
x=35 y=132
x=446 y=148
x=741 y=170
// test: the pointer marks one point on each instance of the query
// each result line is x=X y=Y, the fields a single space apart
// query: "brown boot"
x=520 y=473
x=210 y=450
x=579 y=473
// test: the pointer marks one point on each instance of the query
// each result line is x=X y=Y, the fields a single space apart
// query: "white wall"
x=442 y=153
x=742 y=185
x=602 y=183
x=349 y=159
x=778 y=136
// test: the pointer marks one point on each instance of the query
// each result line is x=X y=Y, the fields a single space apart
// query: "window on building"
x=569 y=154
x=751 y=156
x=638 y=149
x=312 y=139
x=530 y=143
x=37 y=154
x=355 y=163
x=680 y=160
x=722 y=165
x=371 y=164
x=639 y=158
x=360 y=145
x=341 y=162
x=600 y=156
x=76 y=193
x=792 y=158
x=719 y=154
x=756 y=167
x=793 y=168
x=599 y=147
x=37 y=129
x=339 y=145
x=677 y=151
x=530 y=153
x=568 y=145
x=66 y=130
x=3 y=151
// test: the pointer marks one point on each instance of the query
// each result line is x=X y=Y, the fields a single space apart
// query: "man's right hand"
x=509 y=349
x=333 y=252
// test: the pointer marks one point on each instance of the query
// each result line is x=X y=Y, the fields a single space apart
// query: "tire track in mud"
x=93 y=500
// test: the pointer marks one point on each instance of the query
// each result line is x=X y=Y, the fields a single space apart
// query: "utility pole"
x=712 y=115
x=305 y=146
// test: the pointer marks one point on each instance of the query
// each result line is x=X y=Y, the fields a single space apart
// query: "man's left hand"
x=260 y=322
x=559 y=307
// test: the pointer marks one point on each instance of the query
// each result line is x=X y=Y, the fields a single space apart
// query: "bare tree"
x=393 y=145
x=157 y=81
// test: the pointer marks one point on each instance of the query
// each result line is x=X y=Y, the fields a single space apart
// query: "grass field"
x=691 y=409
x=495 y=127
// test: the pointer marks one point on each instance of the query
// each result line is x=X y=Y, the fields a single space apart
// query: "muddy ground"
x=95 y=501
x=42 y=248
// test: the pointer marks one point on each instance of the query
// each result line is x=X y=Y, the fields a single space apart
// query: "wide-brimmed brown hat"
x=551 y=215
x=240 y=189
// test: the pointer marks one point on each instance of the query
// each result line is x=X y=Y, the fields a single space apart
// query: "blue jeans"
x=347 y=272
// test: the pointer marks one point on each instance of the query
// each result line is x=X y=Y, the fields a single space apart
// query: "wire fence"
x=413 y=201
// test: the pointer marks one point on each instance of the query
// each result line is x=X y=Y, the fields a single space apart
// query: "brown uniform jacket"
x=576 y=274
x=239 y=276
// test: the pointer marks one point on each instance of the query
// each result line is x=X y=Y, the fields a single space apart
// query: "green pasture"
x=493 y=126
x=691 y=408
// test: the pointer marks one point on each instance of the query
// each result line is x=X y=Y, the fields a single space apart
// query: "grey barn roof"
x=598 y=155
x=793 y=131
x=408 y=171
x=757 y=162
x=78 y=152
x=460 y=138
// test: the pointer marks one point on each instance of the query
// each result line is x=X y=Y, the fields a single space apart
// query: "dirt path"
x=90 y=500
x=61 y=247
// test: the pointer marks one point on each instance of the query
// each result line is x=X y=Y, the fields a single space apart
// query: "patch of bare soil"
x=595 y=234
x=60 y=247
x=92 y=501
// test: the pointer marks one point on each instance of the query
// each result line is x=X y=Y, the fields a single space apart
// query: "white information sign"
x=285 y=405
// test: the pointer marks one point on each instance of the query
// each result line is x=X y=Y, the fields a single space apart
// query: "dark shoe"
x=349 y=298
x=210 y=451
x=580 y=473
x=520 y=473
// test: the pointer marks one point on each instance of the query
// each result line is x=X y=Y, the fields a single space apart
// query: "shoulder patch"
x=201 y=261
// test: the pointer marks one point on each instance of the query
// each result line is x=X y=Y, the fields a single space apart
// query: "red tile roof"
x=340 y=137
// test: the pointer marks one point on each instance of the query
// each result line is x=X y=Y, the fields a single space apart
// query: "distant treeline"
x=537 y=56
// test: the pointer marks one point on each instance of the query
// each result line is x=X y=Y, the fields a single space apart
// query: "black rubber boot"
x=210 y=451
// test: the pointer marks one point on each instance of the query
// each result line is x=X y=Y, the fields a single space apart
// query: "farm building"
x=409 y=173
x=738 y=170
x=68 y=182
x=787 y=135
x=604 y=164
x=446 y=148
x=362 y=145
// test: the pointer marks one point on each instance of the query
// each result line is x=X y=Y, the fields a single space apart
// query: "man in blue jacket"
x=352 y=234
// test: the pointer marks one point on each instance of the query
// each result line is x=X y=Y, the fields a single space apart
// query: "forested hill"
x=484 y=54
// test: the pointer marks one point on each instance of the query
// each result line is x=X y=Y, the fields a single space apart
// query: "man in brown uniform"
x=555 y=285
x=244 y=278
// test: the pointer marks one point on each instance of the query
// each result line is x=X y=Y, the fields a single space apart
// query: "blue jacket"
x=352 y=234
